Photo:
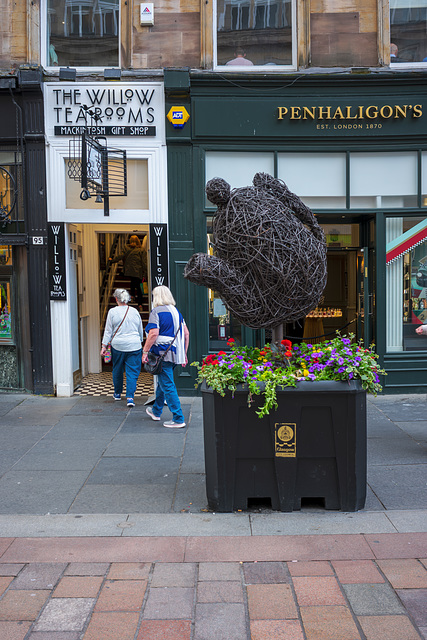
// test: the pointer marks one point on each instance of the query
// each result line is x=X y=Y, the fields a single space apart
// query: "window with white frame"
x=255 y=33
x=408 y=31
x=83 y=33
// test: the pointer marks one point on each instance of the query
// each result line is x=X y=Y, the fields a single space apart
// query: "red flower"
x=210 y=359
x=222 y=353
x=287 y=343
x=230 y=341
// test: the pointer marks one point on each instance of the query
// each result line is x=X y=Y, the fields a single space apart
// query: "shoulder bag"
x=108 y=355
x=154 y=363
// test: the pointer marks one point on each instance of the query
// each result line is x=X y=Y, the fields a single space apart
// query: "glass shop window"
x=257 y=33
x=408 y=31
x=222 y=325
x=383 y=180
x=6 y=310
x=406 y=282
x=318 y=178
x=137 y=189
x=83 y=33
x=237 y=168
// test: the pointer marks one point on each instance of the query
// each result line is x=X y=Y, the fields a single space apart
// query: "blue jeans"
x=129 y=361
x=166 y=390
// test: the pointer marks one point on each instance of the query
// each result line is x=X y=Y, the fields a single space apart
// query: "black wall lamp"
x=112 y=74
x=65 y=73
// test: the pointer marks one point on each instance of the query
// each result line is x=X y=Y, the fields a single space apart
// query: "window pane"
x=222 y=325
x=406 y=282
x=5 y=309
x=257 y=32
x=238 y=169
x=424 y=179
x=137 y=189
x=408 y=22
x=83 y=33
x=383 y=180
x=317 y=178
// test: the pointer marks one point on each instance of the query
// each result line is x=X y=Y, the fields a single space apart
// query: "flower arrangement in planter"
x=285 y=364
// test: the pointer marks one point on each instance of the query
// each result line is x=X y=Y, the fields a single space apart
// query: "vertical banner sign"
x=159 y=255
x=57 y=273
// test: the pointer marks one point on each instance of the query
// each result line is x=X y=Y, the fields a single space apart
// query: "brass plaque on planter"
x=285 y=439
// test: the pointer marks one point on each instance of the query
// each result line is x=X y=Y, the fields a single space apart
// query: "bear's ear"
x=266 y=181
x=218 y=191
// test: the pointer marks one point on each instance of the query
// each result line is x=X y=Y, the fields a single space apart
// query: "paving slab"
x=39 y=410
x=398 y=545
x=39 y=492
x=225 y=621
x=417 y=430
x=104 y=498
x=169 y=443
x=320 y=523
x=135 y=471
x=166 y=549
x=415 y=601
x=190 y=495
x=408 y=521
x=400 y=486
x=400 y=450
x=373 y=599
x=59 y=525
x=267 y=548
x=188 y=524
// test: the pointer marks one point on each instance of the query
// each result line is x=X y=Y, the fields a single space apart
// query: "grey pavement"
x=88 y=466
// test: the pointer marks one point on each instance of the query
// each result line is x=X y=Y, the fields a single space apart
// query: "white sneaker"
x=174 y=425
x=150 y=413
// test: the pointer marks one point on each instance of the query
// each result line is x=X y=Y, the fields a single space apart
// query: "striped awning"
x=406 y=242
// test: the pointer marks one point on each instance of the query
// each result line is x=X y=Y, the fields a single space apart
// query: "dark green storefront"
x=354 y=148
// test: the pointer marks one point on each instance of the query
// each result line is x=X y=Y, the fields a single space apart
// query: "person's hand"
x=103 y=350
x=144 y=357
x=420 y=330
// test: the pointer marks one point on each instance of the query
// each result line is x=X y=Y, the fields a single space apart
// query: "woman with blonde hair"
x=165 y=327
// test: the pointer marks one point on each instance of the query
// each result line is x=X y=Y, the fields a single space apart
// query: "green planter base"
x=312 y=447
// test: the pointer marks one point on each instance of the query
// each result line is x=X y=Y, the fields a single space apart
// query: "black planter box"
x=312 y=447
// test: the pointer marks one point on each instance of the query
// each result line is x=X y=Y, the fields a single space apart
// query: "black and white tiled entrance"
x=101 y=384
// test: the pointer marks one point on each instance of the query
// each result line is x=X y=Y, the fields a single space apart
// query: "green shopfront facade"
x=354 y=148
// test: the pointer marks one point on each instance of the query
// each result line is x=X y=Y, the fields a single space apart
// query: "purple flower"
x=346 y=341
x=341 y=370
x=340 y=361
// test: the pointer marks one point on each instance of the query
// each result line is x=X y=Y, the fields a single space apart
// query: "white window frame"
x=407 y=65
x=255 y=68
x=44 y=58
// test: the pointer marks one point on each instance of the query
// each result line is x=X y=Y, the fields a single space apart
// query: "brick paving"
x=306 y=593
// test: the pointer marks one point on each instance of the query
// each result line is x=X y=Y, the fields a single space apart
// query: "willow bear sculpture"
x=269 y=265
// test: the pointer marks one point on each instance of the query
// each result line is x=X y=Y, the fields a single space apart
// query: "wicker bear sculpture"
x=269 y=265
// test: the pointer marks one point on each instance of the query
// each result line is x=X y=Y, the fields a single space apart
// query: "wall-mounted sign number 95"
x=37 y=239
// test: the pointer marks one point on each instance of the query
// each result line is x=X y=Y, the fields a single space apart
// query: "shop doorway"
x=348 y=303
x=124 y=264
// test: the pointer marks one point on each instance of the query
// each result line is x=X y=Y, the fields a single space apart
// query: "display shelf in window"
x=6 y=336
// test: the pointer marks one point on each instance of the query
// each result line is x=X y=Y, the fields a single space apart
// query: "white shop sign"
x=124 y=109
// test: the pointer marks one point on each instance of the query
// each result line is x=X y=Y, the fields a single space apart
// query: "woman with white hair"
x=165 y=326
x=123 y=329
